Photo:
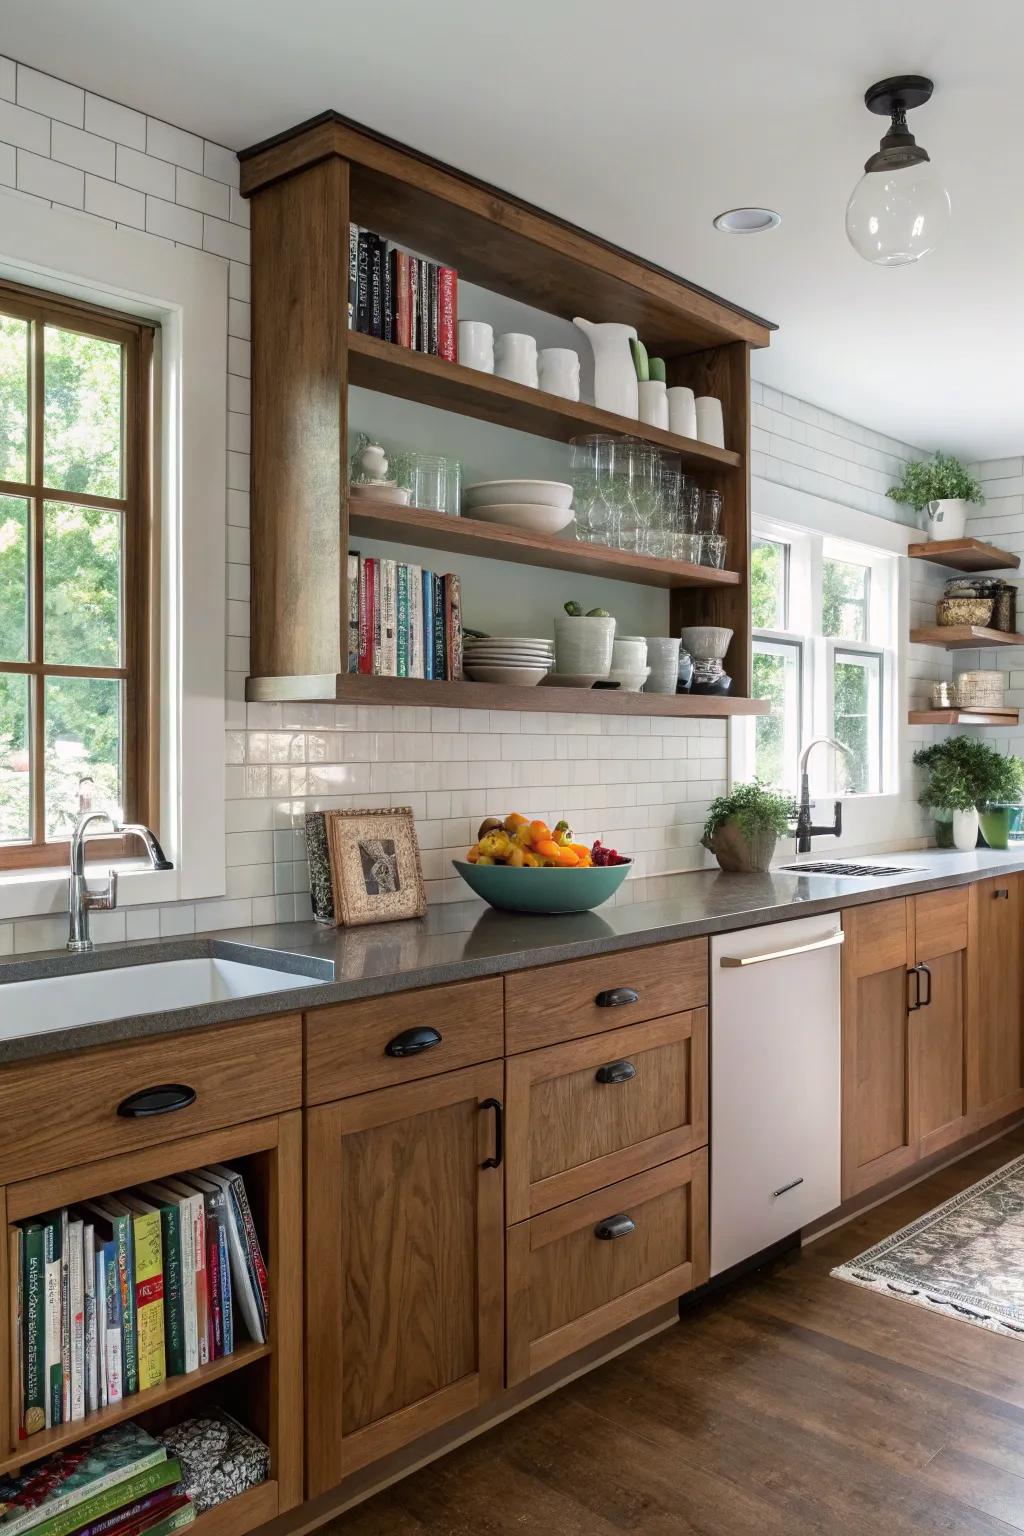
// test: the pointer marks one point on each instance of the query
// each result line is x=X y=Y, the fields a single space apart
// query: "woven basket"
x=964 y=610
x=977 y=690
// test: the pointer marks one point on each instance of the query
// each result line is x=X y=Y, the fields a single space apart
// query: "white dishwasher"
x=775 y=1083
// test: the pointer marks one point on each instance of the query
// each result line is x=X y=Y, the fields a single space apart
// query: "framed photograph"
x=375 y=866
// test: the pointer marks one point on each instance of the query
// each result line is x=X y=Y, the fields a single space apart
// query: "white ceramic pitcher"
x=615 y=384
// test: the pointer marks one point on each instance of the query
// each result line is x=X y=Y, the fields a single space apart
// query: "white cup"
x=558 y=369
x=663 y=657
x=653 y=403
x=629 y=653
x=476 y=345
x=515 y=358
x=710 y=426
x=682 y=412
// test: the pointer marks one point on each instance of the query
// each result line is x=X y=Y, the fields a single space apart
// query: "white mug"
x=710 y=426
x=558 y=369
x=682 y=412
x=515 y=358
x=653 y=403
x=476 y=345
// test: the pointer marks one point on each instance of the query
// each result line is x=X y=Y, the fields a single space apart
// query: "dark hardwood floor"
x=792 y=1403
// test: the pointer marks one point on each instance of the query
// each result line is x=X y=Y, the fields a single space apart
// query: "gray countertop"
x=467 y=939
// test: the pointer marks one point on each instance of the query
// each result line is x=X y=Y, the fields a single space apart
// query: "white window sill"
x=42 y=892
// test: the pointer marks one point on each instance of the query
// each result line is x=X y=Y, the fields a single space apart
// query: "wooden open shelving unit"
x=964 y=555
x=494 y=541
x=305 y=187
x=962 y=637
x=980 y=716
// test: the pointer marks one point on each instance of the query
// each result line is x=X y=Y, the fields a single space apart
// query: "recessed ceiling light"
x=747 y=221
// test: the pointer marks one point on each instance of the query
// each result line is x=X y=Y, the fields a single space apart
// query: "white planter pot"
x=945 y=519
x=584 y=645
x=653 y=403
x=965 y=830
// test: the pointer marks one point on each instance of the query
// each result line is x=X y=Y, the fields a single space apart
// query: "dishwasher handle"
x=733 y=962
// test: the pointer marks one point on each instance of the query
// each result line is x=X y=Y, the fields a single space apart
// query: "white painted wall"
x=643 y=785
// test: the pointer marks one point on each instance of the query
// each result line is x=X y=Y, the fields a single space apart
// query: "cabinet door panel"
x=937 y=1051
x=405 y=1267
x=995 y=998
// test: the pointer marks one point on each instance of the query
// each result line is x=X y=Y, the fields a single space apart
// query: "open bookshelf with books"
x=342 y=217
x=148 y=1300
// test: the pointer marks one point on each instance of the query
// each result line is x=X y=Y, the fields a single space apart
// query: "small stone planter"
x=739 y=854
x=583 y=645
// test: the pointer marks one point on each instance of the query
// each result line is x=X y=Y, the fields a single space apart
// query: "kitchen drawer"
x=381 y=1041
x=940 y=923
x=585 y=1114
x=571 y=1282
x=586 y=997
x=62 y=1111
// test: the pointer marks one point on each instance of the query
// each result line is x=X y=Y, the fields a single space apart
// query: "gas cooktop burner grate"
x=826 y=868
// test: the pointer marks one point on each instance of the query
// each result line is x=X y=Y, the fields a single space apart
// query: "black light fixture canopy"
x=894 y=98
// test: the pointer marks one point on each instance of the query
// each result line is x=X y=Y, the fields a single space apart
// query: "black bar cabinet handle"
x=616 y=1072
x=926 y=1000
x=914 y=972
x=617 y=997
x=614 y=1226
x=412 y=1041
x=499 y=1133
x=161 y=1100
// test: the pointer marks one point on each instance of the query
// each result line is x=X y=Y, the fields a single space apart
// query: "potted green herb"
x=940 y=490
x=743 y=827
x=966 y=777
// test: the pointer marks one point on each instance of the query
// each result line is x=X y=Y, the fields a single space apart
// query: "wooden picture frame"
x=375 y=866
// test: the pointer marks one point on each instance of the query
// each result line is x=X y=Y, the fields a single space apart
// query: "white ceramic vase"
x=515 y=358
x=653 y=403
x=584 y=645
x=965 y=830
x=615 y=382
x=558 y=369
x=945 y=519
x=682 y=411
x=663 y=655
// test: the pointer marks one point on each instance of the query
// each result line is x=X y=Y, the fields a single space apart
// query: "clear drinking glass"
x=666 y=526
x=689 y=505
x=592 y=462
x=435 y=482
x=712 y=551
x=644 y=478
x=687 y=547
x=710 y=511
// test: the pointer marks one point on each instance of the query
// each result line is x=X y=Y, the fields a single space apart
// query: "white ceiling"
x=640 y=123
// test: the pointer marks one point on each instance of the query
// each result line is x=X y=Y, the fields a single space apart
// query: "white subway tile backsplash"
x=183 y=225
x=8 y=79
x=48 y=178
x=87 y=151
x=55 y=98
x=202 y=193
x=24 y=129
x=145 y=173
x=166 y=142
x=8 y=165
x=220 y=163
x=225 y=239
x=111 y=201
x=113 y=121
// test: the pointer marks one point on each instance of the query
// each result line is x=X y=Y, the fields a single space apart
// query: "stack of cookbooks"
x=118 y=1293
x=400 y=297
x=403 y=621
x=119 y=1483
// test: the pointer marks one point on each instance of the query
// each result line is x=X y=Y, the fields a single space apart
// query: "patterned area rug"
x=965 y=1258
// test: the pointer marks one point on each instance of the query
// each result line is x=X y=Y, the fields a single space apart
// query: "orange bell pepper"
x=567 y=858
x=546 y=847
x=539 y=832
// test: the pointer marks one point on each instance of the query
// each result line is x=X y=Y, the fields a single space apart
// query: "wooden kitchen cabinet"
x=905 y=1081
x=995 y=998
x=405 y=1265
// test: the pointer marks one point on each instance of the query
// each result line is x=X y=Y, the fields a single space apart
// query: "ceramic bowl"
x=504 y=676
x=541 y=493
x=706 y=642
x=534 y=518
x=543 y=890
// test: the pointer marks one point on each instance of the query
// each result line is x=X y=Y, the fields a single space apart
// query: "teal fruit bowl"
x=543 y=890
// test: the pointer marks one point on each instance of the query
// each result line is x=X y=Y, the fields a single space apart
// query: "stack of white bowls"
x=540 y=506
x=516 y=661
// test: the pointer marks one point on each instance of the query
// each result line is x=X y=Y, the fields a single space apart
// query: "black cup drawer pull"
x=617 y=997
x=162 y=1100
x=499 y=1133
x=614 y=1226
x=616 y=1072
x=412 y=1041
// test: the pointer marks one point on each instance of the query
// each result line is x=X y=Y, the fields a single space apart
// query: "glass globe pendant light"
x=899 y=208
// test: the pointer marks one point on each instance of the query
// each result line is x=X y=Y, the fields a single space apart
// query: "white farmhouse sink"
x=92 y=997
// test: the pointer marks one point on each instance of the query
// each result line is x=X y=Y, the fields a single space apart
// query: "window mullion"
x=37 y=759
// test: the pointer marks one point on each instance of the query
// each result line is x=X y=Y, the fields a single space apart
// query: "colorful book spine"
x=65 y=1318
x=149 y=1298
x=440 y=644
x=54 y=1371
x=198 y=1207
x=363 y=281
x=92 y=1375
x=256 y=1260
x=33 y=1349
x=164 y=1475
x=101 y=1326
x=415 y=618
x=114 y=1327
x=428 y=624
x=448 y=314
x=353 y=272
x=76 y=1318
x=366 y=616
x=389 y=617
x=147 y=1513
x=402 y=621
x=387 y=293
x=352 y=591
x=377 y=617
x=174 y=1288
x=453 y=627
x=423 y=306
x=415 y=313
x=401 y=297
x=124 y=1239
x=376 y=280
x=227 y=1317
x=216 y=1317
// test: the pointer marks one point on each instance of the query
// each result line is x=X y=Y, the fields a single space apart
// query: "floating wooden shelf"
x=492 y=541
x=347 y=688
x=962 y=637
x=55 y=1439
x=394 y=370
x=963 y=716
x=964 y=555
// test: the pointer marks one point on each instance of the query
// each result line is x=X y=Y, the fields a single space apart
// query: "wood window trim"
x=140 y=580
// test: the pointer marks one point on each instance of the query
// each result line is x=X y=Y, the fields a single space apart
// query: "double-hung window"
x=824 y=624
x=76 y=572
